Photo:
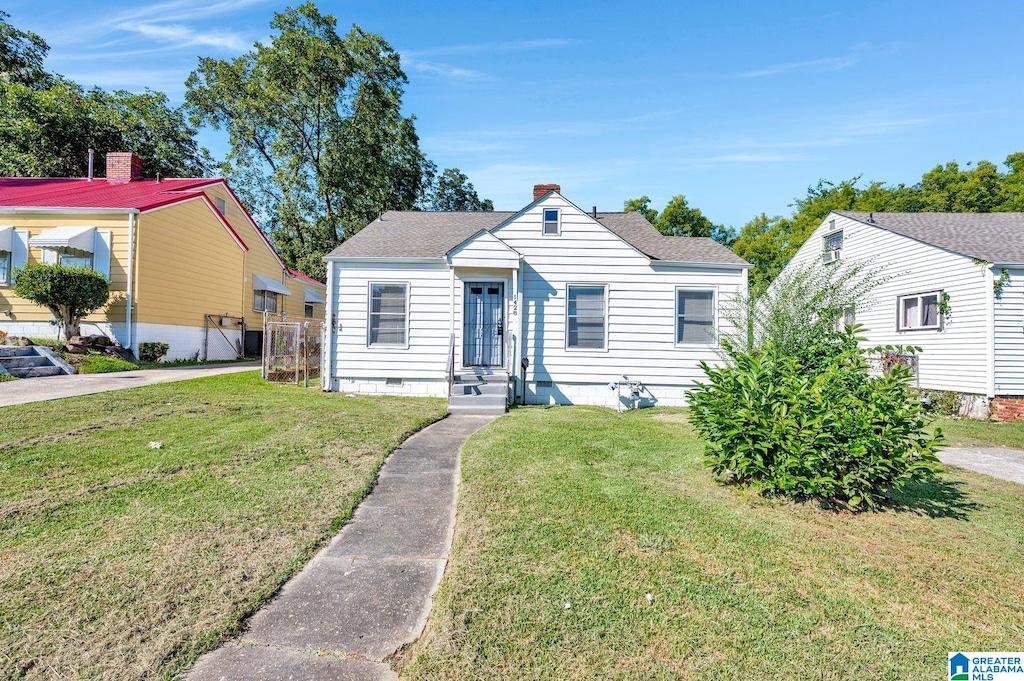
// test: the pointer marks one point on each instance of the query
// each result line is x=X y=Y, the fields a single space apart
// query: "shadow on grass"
x=935 y=498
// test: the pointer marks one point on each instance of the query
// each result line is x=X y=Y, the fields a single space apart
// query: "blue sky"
x=738 y=105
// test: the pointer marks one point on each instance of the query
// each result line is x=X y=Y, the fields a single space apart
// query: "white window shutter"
x=101 y=253
x=19 y=249
x=48 y=256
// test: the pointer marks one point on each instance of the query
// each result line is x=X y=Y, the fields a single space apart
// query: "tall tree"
x=679 y=219
x=319 y=146
x=48 y=123
x=21 y=55
x=452 y=190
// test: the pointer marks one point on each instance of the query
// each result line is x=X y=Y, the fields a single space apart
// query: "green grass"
x=584 y=507
x=118 y=560
x=102 y=364
x=975 y=433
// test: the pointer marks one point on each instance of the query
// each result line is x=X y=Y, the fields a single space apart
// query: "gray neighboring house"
x=557 y=301
x=955 y=288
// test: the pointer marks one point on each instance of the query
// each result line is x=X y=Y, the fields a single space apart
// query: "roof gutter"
x=386 y=261
x=706 y=265
x=13 y=210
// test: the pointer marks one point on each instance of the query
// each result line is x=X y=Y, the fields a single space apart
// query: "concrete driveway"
x=56 y=387
x=999 y=462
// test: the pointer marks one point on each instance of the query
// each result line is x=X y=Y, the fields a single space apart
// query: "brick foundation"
x=1007 y=408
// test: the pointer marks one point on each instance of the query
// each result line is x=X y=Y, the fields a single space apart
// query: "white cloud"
x=443 y=70
x=823 y=65
x=513 y=46
x=180 y=35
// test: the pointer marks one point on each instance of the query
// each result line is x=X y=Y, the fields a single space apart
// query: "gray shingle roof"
x=993 y=237
x=427 y=234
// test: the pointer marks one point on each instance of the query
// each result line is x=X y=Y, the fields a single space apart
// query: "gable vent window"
x=831 y=244
x=552 y=225
x=222 y=205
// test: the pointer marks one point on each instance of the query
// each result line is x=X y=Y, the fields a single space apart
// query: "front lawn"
x=121 y=560
x=975 y=433
x=594 y=545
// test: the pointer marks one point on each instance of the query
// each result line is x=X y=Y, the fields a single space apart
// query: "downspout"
x=523 y=322
x=129 y=298
x=990 y=318
x=327 y=373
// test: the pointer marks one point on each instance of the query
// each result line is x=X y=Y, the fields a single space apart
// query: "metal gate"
x=291 y=350
x=483 y=324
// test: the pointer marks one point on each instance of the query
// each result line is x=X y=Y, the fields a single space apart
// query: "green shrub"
x=7 y=377
x=813 y=427
x=152 y=351
x=104 y=364
x=70 y=293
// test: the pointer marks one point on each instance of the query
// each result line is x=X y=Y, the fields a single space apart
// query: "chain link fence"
x=292 y=350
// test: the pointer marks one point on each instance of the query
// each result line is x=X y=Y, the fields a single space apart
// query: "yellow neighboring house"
x=187 y=264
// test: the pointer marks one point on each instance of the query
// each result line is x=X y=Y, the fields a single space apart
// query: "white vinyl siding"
x=388 y=315
x=957 y=357
x=1009 y=334
x=264 y=301
x=695 y=317
x=586 y=317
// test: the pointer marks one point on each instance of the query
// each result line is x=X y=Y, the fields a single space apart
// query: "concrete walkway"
x=57 y=387
x=999 y=462
x=369 y=592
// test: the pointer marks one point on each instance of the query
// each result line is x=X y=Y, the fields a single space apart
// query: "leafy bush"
x=104 y=364
x=152 y=351
x=70 y=293
x=813 y=425
x=7 y=377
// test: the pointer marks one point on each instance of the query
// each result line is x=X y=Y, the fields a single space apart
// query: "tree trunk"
x=70 y=325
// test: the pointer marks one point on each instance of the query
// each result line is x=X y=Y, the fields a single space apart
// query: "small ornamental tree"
x=70 y=293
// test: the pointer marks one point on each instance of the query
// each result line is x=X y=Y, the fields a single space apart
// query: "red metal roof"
x=29 y=192
x=300 y=275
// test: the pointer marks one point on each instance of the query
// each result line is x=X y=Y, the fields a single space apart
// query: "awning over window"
x=313 y=297
x=7 y=239
x=77 y=238
x=263 y=284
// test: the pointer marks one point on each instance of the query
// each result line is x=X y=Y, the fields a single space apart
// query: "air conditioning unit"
x=830 y=256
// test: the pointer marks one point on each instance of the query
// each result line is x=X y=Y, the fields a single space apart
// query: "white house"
x=562 y=301
x=955 y=288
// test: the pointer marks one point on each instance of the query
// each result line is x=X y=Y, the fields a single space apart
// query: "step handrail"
x=450 y=369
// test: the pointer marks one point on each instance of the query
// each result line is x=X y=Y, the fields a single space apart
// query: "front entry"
x=483 y=324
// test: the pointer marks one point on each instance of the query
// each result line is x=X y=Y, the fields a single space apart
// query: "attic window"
x=222 y=205
x=552 y=226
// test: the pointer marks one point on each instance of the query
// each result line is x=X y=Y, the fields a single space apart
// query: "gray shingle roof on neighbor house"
x=993 y=237
x=428 y=234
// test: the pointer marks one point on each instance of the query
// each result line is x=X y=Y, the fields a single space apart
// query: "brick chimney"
x=540 y=190
x=123 y=166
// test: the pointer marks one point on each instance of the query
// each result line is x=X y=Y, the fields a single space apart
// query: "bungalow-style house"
x=954 y=286
x=547 y=305
x=186 y=262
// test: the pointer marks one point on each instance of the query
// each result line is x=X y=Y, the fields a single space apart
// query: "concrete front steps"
x=32 y=361
x=482 y=392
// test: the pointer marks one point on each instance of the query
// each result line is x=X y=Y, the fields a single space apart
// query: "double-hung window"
x=5 y=268
x=919 y=312
x=552 y=226
x=264 y=301
x=75 y=259
x=695 y=317
x=388 y=315
x=586 y=317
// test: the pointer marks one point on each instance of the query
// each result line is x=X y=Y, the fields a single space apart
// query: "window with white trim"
x=264 y=301
x=586 y=317
x=919 y=312
x=695 y=317
x=552 y=224
x=5 y=268
x=388 y=314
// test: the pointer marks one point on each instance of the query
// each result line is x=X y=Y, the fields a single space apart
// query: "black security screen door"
x=483 y=324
